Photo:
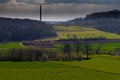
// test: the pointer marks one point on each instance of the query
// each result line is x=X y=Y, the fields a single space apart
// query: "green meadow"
x=82 y=32
x=107 y=46
x=98 y=68
x=11 y=45
x=104 y=47
x=4 y=47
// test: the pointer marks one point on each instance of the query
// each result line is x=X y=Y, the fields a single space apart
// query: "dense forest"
x=105 y=21
x=24 y=29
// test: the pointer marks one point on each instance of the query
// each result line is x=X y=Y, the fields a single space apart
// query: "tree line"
x=65 y=52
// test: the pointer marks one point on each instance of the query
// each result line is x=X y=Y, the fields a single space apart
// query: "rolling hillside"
x=108 y=21
x=82 y=32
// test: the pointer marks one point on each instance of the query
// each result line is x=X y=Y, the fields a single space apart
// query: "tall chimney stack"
x=40 y=13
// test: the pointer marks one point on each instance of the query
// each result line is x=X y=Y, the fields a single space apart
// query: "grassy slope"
x=10 y=45
x=4 y=47
x=83 y=32
x=84 y=70
x=105 y=63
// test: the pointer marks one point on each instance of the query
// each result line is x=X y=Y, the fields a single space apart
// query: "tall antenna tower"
x=40 y=13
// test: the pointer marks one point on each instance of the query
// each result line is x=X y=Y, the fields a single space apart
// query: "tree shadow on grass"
x=86 y=58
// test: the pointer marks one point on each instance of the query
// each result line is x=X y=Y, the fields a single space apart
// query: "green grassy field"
x=108 y=46
x=10 y=45
x=4 y=47
x=82 y=32
x=104 y=47
x=98 y=68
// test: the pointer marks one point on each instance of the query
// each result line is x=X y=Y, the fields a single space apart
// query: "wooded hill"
x=106 y=21
x=24 y=29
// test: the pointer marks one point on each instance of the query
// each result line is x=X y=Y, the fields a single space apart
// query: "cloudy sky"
x=55 y=10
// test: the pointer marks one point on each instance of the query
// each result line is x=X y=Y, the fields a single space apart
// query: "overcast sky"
x=55 y=10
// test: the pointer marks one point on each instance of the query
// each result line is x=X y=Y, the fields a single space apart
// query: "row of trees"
x=67 y=52
x=79 y=49
x=27 y=54
x=35 y=54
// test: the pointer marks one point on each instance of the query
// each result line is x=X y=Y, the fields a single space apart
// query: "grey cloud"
x=3 y=1
x=85 y=1
x=31 y=1
x=65 y=1
x=23 y=9
x=70 y=11
x=26 y=1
